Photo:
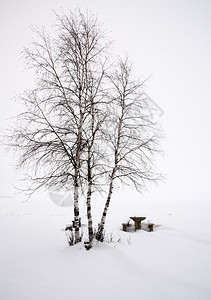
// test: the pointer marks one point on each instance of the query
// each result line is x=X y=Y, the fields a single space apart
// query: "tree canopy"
x=87 y=124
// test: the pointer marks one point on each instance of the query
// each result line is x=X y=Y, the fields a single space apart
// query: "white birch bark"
x=76 y=187
x=88 y=202
x=89 y=215
x=101 y=226
x=76 y=209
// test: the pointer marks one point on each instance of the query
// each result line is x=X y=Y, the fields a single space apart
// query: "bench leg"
x=150 y=226
x=124 y=227
x=137 y=225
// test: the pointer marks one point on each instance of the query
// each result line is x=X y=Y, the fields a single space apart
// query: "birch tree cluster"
x=87 y=125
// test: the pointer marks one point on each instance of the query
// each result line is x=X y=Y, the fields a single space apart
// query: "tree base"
x=100 y=235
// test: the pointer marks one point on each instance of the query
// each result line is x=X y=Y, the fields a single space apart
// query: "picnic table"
x=137 y=221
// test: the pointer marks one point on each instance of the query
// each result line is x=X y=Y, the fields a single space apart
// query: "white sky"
x=167 y=39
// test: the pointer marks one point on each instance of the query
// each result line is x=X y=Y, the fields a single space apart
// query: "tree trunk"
x=76 y=187
x=89 y=215
x=101 y=226
x=76 y=209
x=88 y=203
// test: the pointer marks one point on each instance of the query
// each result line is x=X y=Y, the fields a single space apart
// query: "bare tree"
x=86 y=124
x=51 y=133
x=132 y=136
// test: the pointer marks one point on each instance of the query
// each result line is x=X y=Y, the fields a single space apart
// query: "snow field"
x=171 y=263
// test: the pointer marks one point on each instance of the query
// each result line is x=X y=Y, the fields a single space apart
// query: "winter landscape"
x=101 y=114
x=172 y=262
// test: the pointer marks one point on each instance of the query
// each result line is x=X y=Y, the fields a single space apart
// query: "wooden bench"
x=125 y=225
x=137 y=220
x=150 y=226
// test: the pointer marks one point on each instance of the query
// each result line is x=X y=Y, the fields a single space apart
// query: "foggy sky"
x=166 y=40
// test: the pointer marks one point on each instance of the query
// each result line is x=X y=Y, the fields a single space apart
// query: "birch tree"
x=51 y=134
x=86 y=126
x=94 y=156
x=132 y=137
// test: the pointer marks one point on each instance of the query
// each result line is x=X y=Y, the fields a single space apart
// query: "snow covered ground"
x=173 y=262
